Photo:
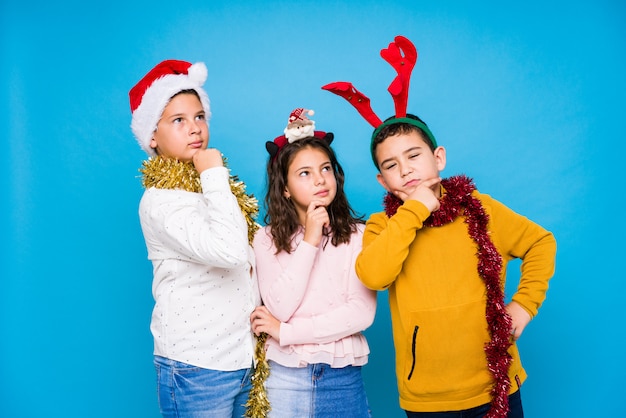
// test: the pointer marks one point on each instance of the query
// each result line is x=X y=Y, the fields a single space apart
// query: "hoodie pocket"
x=446 y=351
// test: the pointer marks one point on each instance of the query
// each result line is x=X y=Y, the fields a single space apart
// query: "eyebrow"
x=181 y=114
x=406 y=151
x=309 y=167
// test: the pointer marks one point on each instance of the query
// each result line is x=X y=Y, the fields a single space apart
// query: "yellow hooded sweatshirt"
x=438 y=300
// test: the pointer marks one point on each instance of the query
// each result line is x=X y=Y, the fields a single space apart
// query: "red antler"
x=357 y=99
x=402 y=56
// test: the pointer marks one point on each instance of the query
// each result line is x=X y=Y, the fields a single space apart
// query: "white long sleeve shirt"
x=204 y=284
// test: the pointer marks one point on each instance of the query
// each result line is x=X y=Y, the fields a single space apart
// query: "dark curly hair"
x=281 y=215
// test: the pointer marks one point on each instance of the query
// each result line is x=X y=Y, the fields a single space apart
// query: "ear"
x=382 y=182
x=153 y=143
x=440 y=158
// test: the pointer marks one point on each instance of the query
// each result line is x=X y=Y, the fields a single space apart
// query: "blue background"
x=528 y=99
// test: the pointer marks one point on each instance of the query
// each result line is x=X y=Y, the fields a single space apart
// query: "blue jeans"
x=193 y=392
x=316 y=391
x=515 y=410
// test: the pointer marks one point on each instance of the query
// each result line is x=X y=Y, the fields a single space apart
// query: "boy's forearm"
x=537 y=269
x=386 y=244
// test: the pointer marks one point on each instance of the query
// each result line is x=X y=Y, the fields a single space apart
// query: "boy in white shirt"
x=198 y=241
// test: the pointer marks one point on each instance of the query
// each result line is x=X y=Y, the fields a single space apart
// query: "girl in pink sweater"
x=315 y=307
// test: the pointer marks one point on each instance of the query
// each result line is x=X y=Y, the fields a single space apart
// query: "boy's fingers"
x=431 y=182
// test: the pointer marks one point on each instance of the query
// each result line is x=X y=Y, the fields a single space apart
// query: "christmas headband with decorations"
x=402 y=56
x=299 y=126
x=153 y=92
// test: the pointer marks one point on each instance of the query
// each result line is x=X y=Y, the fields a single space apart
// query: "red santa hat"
x=153 y=92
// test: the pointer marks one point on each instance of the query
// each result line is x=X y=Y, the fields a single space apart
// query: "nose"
x=195 y=126
x=405 y=169
x=319 y=179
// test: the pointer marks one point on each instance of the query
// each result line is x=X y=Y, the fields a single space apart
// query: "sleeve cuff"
x=215 y=179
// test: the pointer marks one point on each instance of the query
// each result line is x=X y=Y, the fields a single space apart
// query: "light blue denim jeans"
x=193 y=392
x=316 y=391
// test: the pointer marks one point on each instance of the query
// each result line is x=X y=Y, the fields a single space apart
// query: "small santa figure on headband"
x=299 y=125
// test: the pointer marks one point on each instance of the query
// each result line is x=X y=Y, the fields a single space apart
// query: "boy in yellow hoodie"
x=441 y=249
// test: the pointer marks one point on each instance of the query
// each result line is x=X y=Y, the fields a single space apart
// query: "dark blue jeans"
x=515 y=406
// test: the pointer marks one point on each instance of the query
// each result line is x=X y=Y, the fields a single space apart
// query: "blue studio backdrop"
x=528 y=99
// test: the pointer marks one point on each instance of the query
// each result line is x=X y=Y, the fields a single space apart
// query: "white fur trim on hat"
x=157 y=96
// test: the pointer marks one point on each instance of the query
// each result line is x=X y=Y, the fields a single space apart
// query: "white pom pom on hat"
x=153 y=92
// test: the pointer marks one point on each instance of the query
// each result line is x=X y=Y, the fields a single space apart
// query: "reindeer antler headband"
x=402 y=56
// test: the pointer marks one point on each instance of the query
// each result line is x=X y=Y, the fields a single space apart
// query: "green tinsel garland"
x=167 y=173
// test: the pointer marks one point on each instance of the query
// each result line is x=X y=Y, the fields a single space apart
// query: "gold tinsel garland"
x=167 y=173
x=258 y=406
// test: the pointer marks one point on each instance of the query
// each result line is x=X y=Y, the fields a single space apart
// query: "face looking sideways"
x=310 y=177
x=405 y=160
x=182 y=129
